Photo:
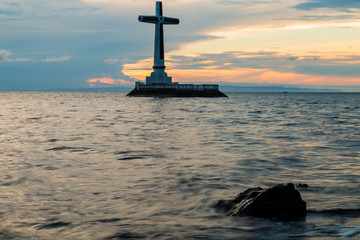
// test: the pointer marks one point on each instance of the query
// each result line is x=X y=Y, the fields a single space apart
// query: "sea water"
x=106 y=166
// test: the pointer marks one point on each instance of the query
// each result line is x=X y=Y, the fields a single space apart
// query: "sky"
x=100 y=43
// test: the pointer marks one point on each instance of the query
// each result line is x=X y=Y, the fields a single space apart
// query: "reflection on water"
x=104 y=166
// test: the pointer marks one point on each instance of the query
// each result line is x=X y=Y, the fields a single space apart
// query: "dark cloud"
x=324 y=17
x=229 y=60
x=9 y=9
x=341 y=70
x=343 y=5
x=228 y=2
x=12 y=4
x=321 y=17
x=8 y=12
x=237 y=2
x=307 y=64
x=293 y=58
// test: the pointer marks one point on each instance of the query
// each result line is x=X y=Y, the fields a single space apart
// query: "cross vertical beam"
x=159 y=38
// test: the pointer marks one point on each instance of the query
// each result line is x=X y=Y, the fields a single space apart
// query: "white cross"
x=159 y=20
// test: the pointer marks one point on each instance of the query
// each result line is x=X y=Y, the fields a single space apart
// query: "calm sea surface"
x=105 y=166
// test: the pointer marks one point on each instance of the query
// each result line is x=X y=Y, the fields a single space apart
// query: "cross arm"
x=159 y=19
x=169 y=20
x=148 y=19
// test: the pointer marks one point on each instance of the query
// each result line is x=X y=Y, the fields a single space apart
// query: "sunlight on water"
x=105 y=166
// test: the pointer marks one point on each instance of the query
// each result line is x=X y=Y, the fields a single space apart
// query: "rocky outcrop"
x=282 y=202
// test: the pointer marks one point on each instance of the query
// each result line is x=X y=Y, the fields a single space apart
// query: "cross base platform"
x=175 y=90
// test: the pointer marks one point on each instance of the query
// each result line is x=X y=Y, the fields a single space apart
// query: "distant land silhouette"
x=224 y=88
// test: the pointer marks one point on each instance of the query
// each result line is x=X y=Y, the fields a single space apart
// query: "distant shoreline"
x=223 y=88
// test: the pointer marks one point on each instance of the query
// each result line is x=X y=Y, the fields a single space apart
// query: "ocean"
x=80 y=165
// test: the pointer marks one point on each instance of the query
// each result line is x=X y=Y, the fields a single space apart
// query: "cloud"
x=56 y=59
x=106 y=81
x=104 y=33
x=23 y=60
x=111 y=61
x=326 y=17
x=334 y=69
x=251 y=75
x=4 y=54
x=229 y=2
x=270 y=67
x=9 y=9
x=293 y=58
x=7 y=12
x=333 y=4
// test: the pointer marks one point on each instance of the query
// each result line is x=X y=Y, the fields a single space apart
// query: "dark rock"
x=282 y=202
x=302 y=185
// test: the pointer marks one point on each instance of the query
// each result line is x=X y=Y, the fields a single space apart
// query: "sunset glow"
x=248 y=75
x=319 y=53
x=109 y=81
x=312 y=42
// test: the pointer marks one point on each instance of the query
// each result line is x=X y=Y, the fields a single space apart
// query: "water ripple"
x=104 y=166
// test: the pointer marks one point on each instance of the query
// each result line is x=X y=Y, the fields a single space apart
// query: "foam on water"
x=104 y=166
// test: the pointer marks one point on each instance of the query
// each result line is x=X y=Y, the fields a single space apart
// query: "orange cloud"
x=224 y=71
x=106 y=80
x=247 y=75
